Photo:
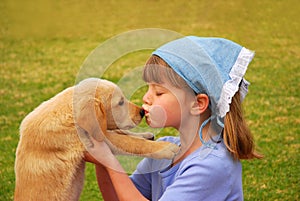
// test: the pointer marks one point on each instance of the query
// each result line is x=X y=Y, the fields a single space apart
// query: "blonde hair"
x=236 y=134
x=155 y=71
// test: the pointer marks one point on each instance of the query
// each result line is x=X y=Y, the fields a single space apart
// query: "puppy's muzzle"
x=142 y=113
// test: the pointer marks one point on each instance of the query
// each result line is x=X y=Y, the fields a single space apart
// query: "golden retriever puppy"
x=49 y=158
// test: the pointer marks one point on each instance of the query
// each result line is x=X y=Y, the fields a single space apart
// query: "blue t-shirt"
x=206 y=174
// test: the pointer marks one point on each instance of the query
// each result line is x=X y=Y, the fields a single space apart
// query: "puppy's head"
x=120 y=113
x=100 y=105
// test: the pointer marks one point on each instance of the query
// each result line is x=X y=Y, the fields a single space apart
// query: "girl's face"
x=166 y=105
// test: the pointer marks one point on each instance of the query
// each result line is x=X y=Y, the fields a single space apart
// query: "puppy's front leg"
x=130 y=145
x=145 y=135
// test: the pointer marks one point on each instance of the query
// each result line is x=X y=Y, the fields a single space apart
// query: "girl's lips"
x=146 y=109
x=147 y=114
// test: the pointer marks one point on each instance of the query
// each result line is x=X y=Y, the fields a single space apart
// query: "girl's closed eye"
x=159 y=93
x=159 y=90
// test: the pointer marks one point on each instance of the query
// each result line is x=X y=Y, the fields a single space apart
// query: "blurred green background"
x=44 y=43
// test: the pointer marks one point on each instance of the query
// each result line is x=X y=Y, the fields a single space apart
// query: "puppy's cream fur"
x=49 y=159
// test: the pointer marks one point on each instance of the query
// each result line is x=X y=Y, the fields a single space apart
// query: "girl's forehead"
x=164 y=85
x=168 y=86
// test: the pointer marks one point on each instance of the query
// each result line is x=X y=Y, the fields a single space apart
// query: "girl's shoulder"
x=217 y=159
x=218 y=150
x=204 y=154
x=172 y=139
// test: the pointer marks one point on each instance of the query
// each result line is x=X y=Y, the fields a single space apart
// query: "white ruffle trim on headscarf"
x=234 y=83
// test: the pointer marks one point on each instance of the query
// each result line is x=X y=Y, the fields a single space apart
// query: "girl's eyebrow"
x=159 y=86
x=156 y=85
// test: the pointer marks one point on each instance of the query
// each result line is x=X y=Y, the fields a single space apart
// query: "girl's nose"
x=146 y=98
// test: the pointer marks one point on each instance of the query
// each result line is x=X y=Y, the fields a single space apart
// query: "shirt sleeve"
x=142 y=180
x=143 y=175
x=203 y=181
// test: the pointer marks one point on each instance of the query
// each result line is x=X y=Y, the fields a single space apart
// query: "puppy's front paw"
x=166 y=150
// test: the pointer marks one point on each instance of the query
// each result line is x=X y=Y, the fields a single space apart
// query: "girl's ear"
x=200 y=105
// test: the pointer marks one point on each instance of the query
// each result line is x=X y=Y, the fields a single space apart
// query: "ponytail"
x=236 y=134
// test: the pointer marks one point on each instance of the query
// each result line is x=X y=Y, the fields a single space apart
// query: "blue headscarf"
x=214 y=66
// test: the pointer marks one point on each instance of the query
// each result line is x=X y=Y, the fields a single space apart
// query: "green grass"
x=43 y=44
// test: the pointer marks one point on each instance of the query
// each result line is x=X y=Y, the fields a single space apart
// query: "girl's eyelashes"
x=158 y=93
x=157 y=89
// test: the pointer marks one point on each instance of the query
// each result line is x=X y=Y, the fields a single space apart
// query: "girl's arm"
x=112 y=179
x=124 y=187
x=104 y=182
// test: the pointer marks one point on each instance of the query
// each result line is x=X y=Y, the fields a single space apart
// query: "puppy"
x=49 y=161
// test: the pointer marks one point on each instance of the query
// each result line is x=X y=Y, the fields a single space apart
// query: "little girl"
x=196 y=85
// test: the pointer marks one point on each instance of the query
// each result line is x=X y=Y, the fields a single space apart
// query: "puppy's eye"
x=121 y=102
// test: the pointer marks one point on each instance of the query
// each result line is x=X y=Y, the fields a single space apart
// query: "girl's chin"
x=154 y=124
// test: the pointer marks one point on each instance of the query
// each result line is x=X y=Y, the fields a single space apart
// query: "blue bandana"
x=214 y=66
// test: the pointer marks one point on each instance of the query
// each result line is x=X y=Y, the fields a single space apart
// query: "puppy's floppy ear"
x=90 y=117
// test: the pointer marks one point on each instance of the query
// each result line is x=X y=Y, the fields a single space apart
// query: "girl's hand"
x=100 y=153
x=112 y=178
x=89 y=158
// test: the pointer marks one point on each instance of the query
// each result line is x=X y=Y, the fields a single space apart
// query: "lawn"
x=44 y=46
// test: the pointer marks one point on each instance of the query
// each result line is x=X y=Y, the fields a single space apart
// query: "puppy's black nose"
x=142 y=113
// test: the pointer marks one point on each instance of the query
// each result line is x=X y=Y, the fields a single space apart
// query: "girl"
x=196 y=85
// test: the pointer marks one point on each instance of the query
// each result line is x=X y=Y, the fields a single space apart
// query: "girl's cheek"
x=158 y=116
